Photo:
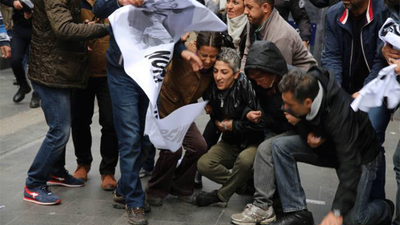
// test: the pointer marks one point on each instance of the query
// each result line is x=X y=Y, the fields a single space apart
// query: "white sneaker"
x=253 y=215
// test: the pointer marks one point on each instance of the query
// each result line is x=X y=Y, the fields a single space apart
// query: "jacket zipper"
x=351 y=61
x=362 y=48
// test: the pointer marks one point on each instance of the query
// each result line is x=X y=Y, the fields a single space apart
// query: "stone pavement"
x=22 y=130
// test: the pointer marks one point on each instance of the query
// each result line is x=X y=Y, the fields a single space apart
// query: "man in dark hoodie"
x=331 y=135
x=265 y=66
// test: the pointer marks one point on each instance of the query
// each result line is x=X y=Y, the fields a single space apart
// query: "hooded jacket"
x=350 y=138
x=265 y=56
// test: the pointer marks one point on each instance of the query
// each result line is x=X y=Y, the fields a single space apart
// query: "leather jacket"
x=233 y=104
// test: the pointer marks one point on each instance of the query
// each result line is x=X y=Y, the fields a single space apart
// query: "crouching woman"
x=230 y=97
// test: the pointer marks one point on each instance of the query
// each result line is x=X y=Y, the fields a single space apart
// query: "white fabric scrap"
x=390 y=33
x=372 y=94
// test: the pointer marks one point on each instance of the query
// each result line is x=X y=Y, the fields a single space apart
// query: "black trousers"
x=19 y=47
x=82 y=107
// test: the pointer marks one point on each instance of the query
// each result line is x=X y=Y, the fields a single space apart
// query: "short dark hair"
x=207 y=38
x=270 y=2
x=302 y=85
x=231 y=57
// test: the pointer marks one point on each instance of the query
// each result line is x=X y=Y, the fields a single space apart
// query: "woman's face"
x=263 y=79
x=223 y=75
x=208 y=55
x=234 y=8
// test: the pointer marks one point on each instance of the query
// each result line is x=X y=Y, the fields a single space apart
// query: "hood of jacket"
x=265 y=56
x=327 y=80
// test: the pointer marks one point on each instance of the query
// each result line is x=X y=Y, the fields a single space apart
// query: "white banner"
x=169 y=132
x=146 y=36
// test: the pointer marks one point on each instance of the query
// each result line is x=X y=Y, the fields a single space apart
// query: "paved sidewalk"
x=22 y=131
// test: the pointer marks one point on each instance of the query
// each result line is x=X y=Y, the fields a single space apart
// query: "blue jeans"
x=380 y=117
x=129 y=107
x=287 y=151
x=396 y=163
x=57 y=111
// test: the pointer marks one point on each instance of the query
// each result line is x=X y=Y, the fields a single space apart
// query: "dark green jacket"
x=58 y=55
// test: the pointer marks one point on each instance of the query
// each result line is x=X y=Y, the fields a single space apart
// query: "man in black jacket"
x=331 y=135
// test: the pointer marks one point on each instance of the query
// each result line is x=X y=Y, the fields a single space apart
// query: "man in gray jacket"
x=268 y=25
x=58 y=63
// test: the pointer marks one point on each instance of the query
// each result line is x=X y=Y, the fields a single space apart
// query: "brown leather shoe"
x=108 y=182
x=82 y=171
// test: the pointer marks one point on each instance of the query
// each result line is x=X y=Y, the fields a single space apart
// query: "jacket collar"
x=262 y=30
x=369 y=15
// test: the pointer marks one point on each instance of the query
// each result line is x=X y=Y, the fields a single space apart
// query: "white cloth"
x=146 y=37
x=390 y=33
x=372 y=94
x=236 y=27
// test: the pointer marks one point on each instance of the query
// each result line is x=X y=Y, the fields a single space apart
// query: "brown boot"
x=82 y=171
x=108 y=182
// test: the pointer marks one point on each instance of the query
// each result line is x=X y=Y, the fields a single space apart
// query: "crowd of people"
x=269 y=102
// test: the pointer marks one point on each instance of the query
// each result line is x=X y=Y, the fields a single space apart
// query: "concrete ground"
x=23 y=129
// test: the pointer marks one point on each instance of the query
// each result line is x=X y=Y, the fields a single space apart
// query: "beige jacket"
x=285 y=37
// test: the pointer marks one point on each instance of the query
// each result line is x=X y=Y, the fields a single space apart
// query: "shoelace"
x=46 y=190
x=138 y=210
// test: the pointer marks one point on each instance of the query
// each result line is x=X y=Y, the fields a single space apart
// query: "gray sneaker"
x=253 y=215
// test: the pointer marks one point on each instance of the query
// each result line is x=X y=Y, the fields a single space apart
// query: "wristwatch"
x=336 y=212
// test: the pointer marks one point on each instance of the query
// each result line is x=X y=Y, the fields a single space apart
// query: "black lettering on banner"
x=176 y=135
x=159 y=60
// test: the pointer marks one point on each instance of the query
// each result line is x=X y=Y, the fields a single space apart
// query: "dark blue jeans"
x=129 y=107
x=287 y=151
x=380 y=117
x=57 y=111
x=82 y=107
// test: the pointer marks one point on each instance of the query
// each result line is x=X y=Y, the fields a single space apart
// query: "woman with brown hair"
x=182 y=86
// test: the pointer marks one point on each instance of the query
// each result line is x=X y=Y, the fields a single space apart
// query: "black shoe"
x=121 y=200
x=136 y=216
x=35 y=100
x=154 y=200
x=118 y=198
x=389 y=220
x=206 y=198
x=20 y=95
x=198 y=185
x=302 y=217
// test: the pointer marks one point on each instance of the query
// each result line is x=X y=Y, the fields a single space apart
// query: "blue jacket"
x=4 y=39
x=338 y=50
x=102 y=9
